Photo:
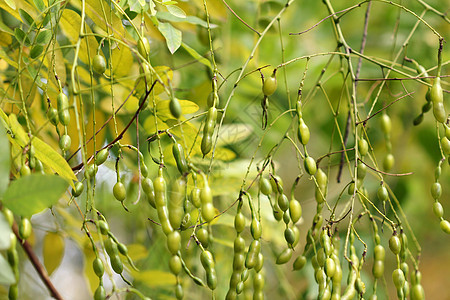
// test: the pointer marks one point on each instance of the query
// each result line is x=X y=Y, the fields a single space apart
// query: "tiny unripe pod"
x=255 y=229
x=78 y=189
x=178 y=292
x=111 y=247
x=206 y=144
x=25 y=228
x=417 y=120
x=283 y=202
x=116 y=263
x=252 y=254
x=90 y=171
x=379 y=252
x=25 y=170
x=264 y=186
x=238 y=262
x=13 y=292
x=195 y=197
x=99 y=64
x=63 y=109
x=203 y=237
x=9 y=216
x=445 y=226
x=100 y=293
x=258 y=282
x=122 y=249
x=417 y=292
x=445 y=143
x=144 y=47
x=149 y=190
x=378 y=268
x=361 y=170
x=289 y=236
x=104 y=227
x=178 y=154
x=436 y=190
x=175 y=264
x=239 y=244
x=310 y=165
x=64 y=142
x=299 y=262
x=211 y=279
x=269 y=85
x=208 y=212
x=382 y=193
x=295 y=210
x=52 y=115
x=363 y=147
x=438 y=209
x=303 y=133
x=119 y=191
x=207 y=260
x=360 y=286
x=284 y=256
x=101 y=156
x=174 y=242
x=98 y=267
x=388 y=162
x=395 y=244
x=386 y=124
x=175 y=108
x=239 y=222
x=330 y=267
x=399 y=278
x=439 y=112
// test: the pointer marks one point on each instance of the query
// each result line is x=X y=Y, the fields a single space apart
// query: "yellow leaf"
x=233 y=133
x=137 y=251
x=53 y=251
x=101 y=16
x=165 y=73
x=70 y=24
x=122 y=61
x=155 y=278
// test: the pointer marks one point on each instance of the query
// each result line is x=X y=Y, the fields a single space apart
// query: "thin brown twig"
x=240 y=19
x=384 y=107
x=385 y=173
x=37 y=264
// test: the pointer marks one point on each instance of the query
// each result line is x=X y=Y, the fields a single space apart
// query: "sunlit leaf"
x=163 y=110
x=21 y=37
x=53 y=251
x=44 y=37
x=11 y=4
x=197 y=56
x=34 y=193
x=166 y=16
x=39 y=5
x=172 y=36
x=36 y=51
x=176 y=11
x=122 y=61
x=26 y=18
x=154 y=278
x=233 y=133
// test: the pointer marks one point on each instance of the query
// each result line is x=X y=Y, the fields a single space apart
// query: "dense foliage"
x=223 y=149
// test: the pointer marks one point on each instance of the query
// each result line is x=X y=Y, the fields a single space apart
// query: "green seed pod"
x=25 y=170
x=269 y=85
x=211 y=117
x=175 y=108
x=119 y=191
x=208 y=212
x=388 y=162
x=284 y=256
x=330 y=267
x=64 y=117
x=436 y=190
x=378 y=268
x=436 y=93
x=160 y=191
x=174 y=242
x=362 y=169
x=252 y=254
x=303 y=132
x=239 y=244
x=395 y=244
x=65 y=142
x=264 y=186
x=25 y=228
x=99 y=64
x=320 y=277
x=260 y=262
x=439 y=112
x=207 y=260
x=295 y=210
x=100 y=293
x=144 y=169
x=163 y=216
x=101 y=156
x=277 y=185
x=255 y=229
x=203 y=236
x=178 y=154
x=438 y=209
x=386 y=124
x=239 y=287
x=417 y=292
x=231 y=295
x=277 y=213
x=283 y=202
x=258 y=282
x=13 y=257
x=445 y=143
x=360 y=286
x=289 y=236
x=399 y=278
x=195 y=197
x=90 y=171
x=238 y=262
x=299 y=262
x=428 y=105
x=97 y=265
x=382 y=193
x=179 y=294
x=206 y=144
x=447 y=131
x=52 y=115
x=417 y=120
x=116 y=264
x=149 y=190
x=144 y=47
x=122 y=249
x=62 y=103
x=445 y=226
x=13 y=292
x=379 y=252
x=363 y=147
x=310 y=165
x=78 y=189
x=104 y=227
x=239 y=222
x=321 y=257
x=111 y=247
x=9 y=216
x=175 y=265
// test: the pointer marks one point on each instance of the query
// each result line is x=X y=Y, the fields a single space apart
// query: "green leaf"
x=34 y=193
x=197 y=56
x=4 y=161
x=44 y=37
x=5 y=233
x=166 y=16
x=36 y=51
x=21 y=37
x=39 y=5
x=176 y=11
x=26 y=18
x=6 y=275
x=172 y=36
x=6 y=57
x=163 y=110
x=233 y=133
x=11 y=4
